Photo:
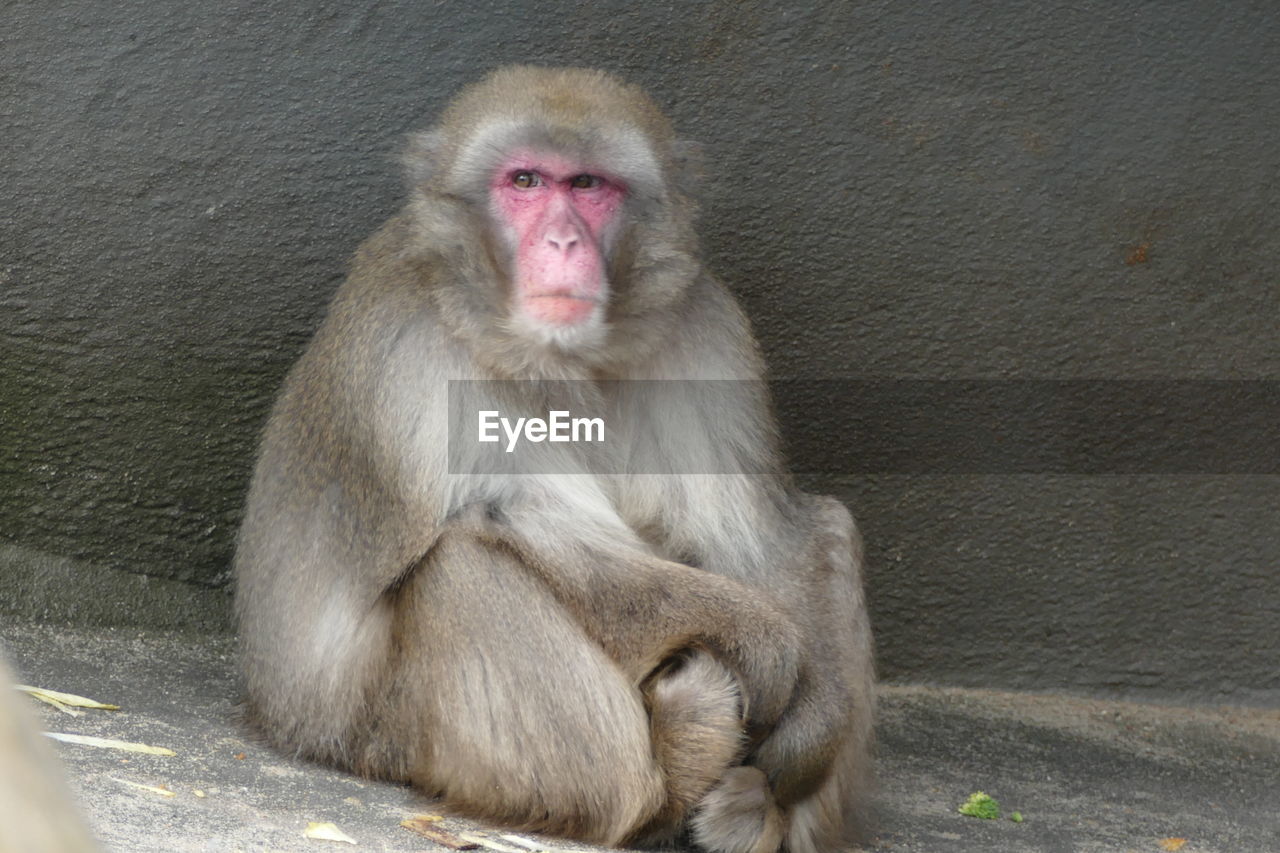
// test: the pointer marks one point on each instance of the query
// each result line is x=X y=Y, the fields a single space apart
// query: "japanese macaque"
x=37 y=811
x=592 y=651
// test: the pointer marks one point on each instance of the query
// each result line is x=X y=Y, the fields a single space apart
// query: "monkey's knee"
x=836 y=524
x=523 y=720
x=739 y=815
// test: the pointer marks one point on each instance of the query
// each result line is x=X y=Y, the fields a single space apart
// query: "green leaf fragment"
x=980 y=805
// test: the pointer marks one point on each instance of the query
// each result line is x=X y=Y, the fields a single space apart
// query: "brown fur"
x=608 y=657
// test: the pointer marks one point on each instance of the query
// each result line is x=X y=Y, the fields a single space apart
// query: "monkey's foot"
x=739 y=815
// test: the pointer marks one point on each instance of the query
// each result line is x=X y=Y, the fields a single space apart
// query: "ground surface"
x=1086 y=775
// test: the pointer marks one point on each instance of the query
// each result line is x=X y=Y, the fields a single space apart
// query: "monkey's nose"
x=562 y=240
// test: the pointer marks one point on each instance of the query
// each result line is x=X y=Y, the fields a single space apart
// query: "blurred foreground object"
x=38 y=813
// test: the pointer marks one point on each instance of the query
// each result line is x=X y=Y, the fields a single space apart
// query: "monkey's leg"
x=742 y=815
x=512 y=713
x=806 y=781
x=818 y=759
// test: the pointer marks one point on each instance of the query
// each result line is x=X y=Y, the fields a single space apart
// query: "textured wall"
x=894 y=190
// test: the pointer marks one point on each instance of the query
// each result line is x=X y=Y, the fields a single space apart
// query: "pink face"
x=560 y=217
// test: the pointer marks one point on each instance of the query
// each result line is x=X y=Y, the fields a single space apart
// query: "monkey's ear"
x=419 y=157
x=689 y=163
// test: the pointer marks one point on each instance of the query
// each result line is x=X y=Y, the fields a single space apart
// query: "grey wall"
x=929 y=190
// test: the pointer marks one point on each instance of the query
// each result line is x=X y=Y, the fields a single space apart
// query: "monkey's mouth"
x=560 y=309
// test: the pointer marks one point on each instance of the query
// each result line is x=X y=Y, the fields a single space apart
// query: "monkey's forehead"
x=584 y=115
x=619 y=153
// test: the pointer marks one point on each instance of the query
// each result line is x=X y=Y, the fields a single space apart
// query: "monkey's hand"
x=756 y=640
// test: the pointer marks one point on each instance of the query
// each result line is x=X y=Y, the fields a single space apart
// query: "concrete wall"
x=928 y=190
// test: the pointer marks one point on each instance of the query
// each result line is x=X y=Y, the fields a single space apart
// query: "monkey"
x=608 y=654
x=38 y=813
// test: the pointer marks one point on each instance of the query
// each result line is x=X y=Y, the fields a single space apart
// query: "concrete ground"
x=1086 y=775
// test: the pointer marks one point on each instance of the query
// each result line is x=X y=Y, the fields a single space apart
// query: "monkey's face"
x=557 y=218
x=555 y=191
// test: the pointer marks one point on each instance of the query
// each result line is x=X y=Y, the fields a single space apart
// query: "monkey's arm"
x=642 y=609
x=759 y=530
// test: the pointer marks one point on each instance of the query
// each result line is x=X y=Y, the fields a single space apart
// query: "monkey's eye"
x=585 y=182
x=525 y=180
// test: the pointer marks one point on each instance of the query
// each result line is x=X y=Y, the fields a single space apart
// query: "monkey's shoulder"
x=712 y=338
x=385 y=291
x=393 y=264
x=377 y=328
